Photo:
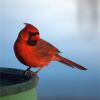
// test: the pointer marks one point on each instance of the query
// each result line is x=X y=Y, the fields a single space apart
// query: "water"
x=7 y=79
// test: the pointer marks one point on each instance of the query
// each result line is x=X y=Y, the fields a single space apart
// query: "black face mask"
x=30 y=41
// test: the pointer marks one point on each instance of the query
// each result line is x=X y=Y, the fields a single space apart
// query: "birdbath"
x=14 y=85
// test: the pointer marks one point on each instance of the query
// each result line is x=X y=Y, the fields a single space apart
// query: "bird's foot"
x=35 y=73
x=28 y=73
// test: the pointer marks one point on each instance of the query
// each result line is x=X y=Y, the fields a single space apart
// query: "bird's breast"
x=30 y=55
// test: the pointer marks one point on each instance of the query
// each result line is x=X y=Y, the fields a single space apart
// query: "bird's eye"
x=33 y=34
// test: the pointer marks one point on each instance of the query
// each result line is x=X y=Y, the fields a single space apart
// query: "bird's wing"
x=44 y=46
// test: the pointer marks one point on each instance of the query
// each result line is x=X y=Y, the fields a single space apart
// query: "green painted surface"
x=27 y=95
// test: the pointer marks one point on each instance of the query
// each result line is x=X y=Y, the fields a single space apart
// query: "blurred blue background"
x=73 y=26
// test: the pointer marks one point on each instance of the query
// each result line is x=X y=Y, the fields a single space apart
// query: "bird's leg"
x=30 y=73
x=28 y=68
x=38 y=70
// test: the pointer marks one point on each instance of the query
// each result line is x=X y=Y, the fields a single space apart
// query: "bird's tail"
x=70 y=63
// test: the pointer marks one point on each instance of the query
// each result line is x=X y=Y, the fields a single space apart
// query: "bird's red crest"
x=30 y=28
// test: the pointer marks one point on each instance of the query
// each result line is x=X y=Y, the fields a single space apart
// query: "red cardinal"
x=35 y=52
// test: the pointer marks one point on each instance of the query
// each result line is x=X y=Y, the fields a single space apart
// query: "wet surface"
x=9 y=79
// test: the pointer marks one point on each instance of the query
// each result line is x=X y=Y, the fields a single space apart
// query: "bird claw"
x=29 y=74
x=35 y=74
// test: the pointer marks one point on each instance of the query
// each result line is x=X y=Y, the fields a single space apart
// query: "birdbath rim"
x=13 y=81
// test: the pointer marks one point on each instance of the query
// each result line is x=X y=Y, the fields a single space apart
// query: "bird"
x=34 y=52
